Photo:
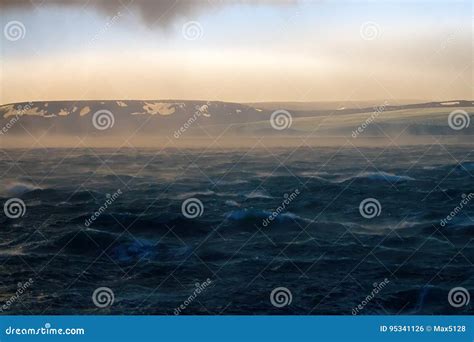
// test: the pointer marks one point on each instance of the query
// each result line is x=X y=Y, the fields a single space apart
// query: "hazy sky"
x=244 y=51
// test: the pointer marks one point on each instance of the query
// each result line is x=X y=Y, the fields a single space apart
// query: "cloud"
x=153 y=12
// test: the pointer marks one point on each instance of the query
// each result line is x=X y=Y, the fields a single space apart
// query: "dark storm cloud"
x=159 y=12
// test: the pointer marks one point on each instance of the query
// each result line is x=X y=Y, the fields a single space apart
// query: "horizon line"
x=416 y=101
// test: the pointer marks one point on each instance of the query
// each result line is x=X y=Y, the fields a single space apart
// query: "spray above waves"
x=18 y=188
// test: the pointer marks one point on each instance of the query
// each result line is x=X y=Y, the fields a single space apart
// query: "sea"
x=263 y=231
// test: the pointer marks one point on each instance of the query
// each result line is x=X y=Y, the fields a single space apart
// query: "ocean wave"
x=20 y=188
x=461 y=224
x=461 y=167
x=248 y=214
x=466 y=166
x=315 y=174
x=258 y=194
x=257 y=214
x=227 y=194
x=9 y=252
x=379 y=176
x=234 y=182
x=143 y=250
x=186 y=195
x=232 y=203
x=134 y=250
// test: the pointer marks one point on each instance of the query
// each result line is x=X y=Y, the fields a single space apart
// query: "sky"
x=239 y=51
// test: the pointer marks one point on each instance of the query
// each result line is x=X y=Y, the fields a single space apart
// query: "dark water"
x=319 y=246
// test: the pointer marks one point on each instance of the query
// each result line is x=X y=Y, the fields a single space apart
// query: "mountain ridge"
x=176 y=119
